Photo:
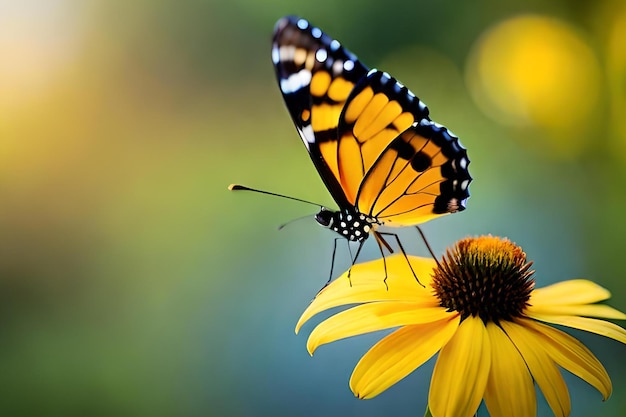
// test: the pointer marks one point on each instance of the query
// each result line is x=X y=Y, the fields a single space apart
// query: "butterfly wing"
x=395 y=164
x=377 y=111
x=369 y=137
x=316 y=75
x=421 y=175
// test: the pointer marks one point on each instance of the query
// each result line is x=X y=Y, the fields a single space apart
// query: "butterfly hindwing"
x=422 y=174
x=316 y=75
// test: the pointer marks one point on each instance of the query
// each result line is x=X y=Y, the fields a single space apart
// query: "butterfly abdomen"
x=349 y=224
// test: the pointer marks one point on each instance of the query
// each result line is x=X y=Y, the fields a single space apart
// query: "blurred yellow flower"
x=538 y=71
x=479 y=309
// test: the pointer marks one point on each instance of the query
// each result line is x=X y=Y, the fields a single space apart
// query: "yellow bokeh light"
x=536 y=71
x=616 y=74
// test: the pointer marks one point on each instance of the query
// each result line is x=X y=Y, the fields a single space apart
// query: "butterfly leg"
x=430 y=250
x=382 y=242
x=332 y=263
x=395 y=236
x=358 y=251
x=349 y=250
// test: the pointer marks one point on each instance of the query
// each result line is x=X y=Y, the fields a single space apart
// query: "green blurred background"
x=132 y=283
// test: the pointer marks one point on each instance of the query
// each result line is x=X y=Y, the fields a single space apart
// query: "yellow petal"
x=371 y=317
x=572 y=355
x=399 y=354
x=601 y=327
x=585 y=310
x=461 y=372
x=576 y=291
x=541 y=366
x=366 y=284
x=510 y=389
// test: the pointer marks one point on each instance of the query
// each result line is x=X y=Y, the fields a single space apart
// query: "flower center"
x=485 y=276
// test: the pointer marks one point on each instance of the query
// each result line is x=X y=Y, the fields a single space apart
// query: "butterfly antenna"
x=282 y=226
x=237 y=187
x=428 y=245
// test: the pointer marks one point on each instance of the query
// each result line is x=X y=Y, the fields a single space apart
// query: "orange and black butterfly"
x=381 y=157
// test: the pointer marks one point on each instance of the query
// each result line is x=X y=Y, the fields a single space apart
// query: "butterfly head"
x=325 y=217
x=350 y=224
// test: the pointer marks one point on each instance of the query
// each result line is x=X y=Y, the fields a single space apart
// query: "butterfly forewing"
x=316 y=75
x=378 y=110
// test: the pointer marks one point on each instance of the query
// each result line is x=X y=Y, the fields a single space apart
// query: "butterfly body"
x=349 y=223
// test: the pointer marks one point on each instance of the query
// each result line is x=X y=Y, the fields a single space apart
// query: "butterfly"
x=370 y=138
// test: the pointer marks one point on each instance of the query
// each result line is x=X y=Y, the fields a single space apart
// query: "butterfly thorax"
x=349 y=223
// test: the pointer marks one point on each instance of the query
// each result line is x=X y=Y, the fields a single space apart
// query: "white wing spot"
x=321 y=55
x=308 y=135
x=348 y=65
x=287 y=52
x=275 y=55
x=316 y=32
x=295 y=81
x=303 y=24
x=337 y=67
x=334 y=45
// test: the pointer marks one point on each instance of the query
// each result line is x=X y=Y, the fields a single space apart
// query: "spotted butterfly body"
x=371 y=139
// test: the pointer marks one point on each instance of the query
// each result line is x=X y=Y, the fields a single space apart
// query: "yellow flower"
x=479 y=309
